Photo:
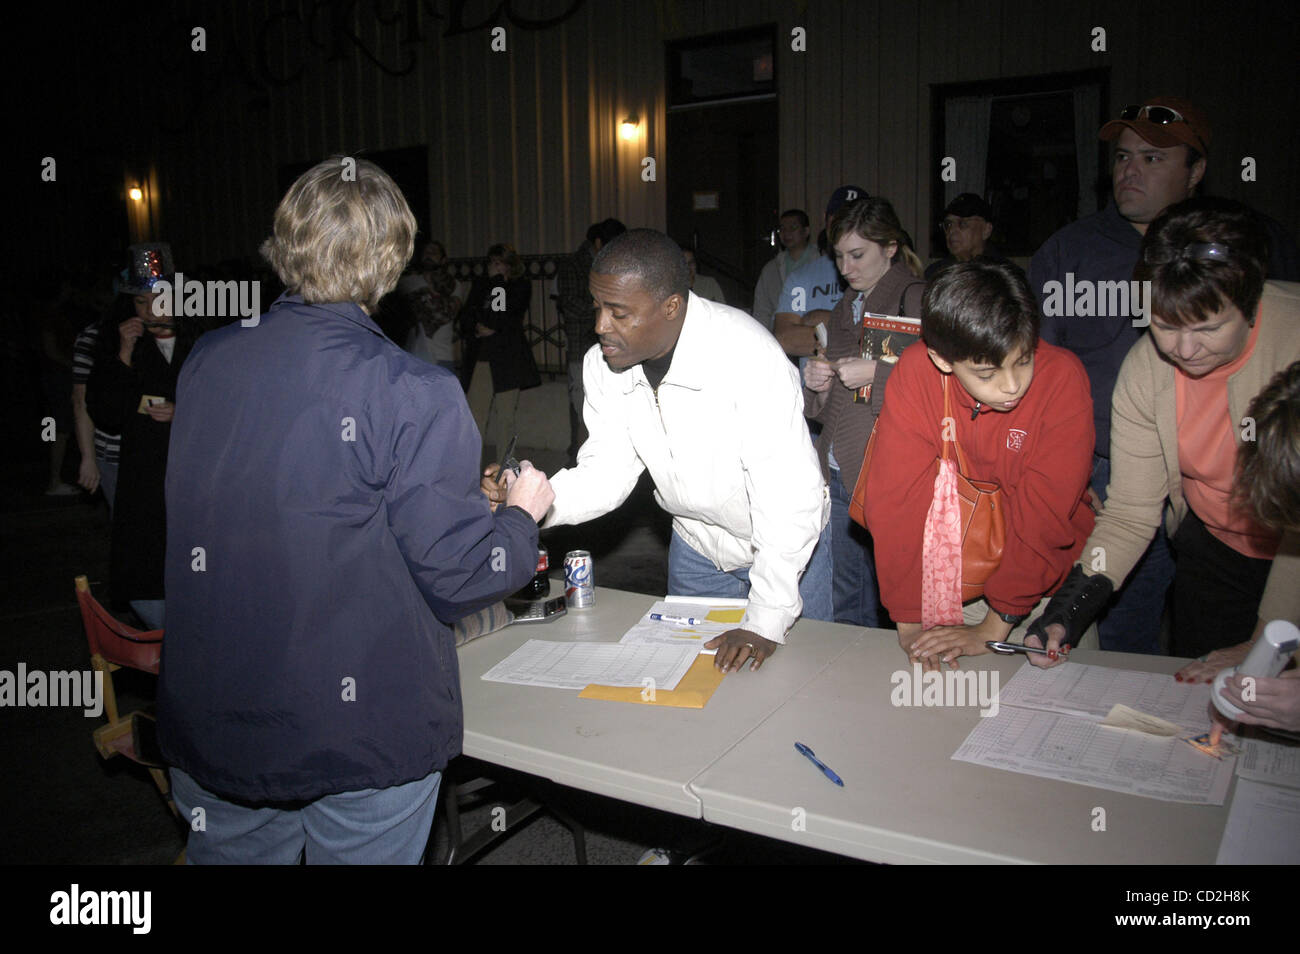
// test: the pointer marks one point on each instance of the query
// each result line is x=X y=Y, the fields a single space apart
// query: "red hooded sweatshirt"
x=1040 y=453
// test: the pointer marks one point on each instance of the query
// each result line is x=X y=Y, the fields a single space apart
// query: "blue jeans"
x=691 y=574
x=107 y=480
x=369 y=827
x=1131 y=623
x=856 y=595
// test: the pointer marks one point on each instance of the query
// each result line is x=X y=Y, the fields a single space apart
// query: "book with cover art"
x=883 y=338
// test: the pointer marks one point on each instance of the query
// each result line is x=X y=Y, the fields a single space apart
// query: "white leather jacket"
x=727 y=445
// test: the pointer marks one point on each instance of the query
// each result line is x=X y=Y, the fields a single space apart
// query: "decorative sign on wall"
x=283 y=44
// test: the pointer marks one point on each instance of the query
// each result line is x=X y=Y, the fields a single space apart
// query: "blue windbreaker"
x=324 y=526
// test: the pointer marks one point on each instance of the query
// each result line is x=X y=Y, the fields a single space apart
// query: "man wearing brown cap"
x=1160 y=155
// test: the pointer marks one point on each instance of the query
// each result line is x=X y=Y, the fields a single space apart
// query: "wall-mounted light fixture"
x=136 y=194
x=628 y=127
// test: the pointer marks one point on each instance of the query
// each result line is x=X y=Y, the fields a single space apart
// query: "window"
x=1028 y=146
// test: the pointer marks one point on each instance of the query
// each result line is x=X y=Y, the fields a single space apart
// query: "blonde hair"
x=875 y=220
x=339 y=239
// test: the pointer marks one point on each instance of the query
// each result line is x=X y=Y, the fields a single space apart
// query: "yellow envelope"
x=691 y=693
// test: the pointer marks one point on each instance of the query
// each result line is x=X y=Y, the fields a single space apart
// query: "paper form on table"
x=719 y=615
x=1263 y=826
x=1090 y=691
x=1074 y=749
x=1049 y=725
x=1264 y=760
x=577 y=665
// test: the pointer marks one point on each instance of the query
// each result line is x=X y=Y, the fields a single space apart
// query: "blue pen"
x=676 y=620
x=812 y=757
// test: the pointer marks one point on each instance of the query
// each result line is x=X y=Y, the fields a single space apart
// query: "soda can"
x=579 y=580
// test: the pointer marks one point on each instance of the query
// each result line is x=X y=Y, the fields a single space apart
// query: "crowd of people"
x=994 y=468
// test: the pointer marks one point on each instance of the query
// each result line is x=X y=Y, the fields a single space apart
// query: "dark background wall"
x=523 y=145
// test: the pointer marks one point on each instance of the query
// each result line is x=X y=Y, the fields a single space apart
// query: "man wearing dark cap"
x=967 y=224
x=811 y=291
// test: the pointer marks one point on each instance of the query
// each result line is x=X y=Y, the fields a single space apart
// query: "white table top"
x=905 y=800
x=643 y=754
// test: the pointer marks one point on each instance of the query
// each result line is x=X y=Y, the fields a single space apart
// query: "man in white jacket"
x=704 y=398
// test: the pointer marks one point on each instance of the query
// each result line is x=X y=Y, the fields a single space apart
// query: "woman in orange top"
x=1218 y=335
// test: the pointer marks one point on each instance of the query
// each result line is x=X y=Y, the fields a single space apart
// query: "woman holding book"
x=845 y=385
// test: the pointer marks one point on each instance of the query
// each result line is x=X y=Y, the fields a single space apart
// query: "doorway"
x=722 y=176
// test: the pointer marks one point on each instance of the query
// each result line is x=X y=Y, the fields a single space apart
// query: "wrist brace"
x=1075 y=605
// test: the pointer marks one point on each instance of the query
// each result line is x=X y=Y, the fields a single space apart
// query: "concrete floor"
x=62 y=804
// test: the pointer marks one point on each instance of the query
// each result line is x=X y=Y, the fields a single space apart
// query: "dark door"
x=732 y=151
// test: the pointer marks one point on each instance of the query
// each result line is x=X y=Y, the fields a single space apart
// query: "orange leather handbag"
x=983 y=516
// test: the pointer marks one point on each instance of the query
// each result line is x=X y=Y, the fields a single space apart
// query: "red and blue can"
x=579 y=580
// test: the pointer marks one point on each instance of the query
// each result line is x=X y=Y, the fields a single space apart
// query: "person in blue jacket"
x=325 y=527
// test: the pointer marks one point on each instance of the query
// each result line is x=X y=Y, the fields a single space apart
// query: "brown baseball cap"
x=1193 y=130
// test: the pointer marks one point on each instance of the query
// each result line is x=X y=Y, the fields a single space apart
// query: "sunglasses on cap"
x=1197 y=252
x=1160 y=115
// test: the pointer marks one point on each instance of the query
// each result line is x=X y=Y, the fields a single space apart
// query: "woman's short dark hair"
x=979 y=311
x=1268 y=467
x=1200 y=255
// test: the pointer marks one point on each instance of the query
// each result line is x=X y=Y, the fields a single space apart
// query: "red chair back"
x=112 y=639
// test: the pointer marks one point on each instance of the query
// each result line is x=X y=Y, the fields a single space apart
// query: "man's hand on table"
x=736 y=645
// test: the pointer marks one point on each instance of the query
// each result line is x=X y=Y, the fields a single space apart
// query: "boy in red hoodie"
x=1022 y=412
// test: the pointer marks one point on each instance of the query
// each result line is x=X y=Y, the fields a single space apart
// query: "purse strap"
x=902 y=299
x=963 y=468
